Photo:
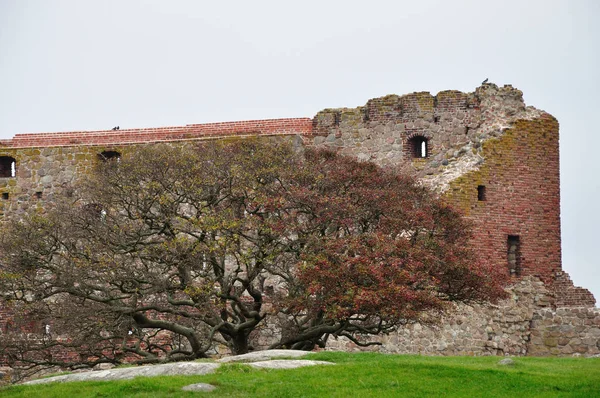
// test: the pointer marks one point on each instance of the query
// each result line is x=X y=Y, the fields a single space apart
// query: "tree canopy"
x=174 y=250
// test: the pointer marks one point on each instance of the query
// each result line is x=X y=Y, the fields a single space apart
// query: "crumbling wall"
x=487 y=138
x=380 y=130
x=568 y=295
x=497 y=161
x=523 y=324
x=502 y=329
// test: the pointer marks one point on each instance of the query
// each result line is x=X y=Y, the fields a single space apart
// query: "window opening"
x=109 y=155
x=436 y=119
x=337 y=116
x=8 y=167
x=38 y=194
x=481 y=193
x=514 y=255
x=5 y=195
x=419 y=147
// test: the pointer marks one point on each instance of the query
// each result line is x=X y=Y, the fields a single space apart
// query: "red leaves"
x=377 y=244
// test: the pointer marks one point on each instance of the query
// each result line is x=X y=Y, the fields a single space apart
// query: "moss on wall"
x=521 y=177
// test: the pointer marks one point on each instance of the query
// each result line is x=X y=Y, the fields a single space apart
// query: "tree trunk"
x=239 y=344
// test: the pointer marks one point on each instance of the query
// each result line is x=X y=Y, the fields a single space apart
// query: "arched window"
x=419 y=146
x=109 y=155
x=8 y=166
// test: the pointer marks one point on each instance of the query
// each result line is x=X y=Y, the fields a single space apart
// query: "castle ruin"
x=485 y=152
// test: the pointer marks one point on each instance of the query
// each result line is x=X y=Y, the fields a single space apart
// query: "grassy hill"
x=362 y=375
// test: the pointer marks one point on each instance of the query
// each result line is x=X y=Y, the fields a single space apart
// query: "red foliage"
x=387 y=250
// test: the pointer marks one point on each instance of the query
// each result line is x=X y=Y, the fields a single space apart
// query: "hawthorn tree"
x=171 y=250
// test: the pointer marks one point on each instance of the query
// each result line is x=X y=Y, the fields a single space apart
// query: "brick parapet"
x=267 y=127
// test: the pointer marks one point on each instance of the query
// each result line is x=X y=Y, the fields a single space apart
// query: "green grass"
x=362 y=375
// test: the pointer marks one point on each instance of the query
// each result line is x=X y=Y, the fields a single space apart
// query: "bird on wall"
x=485 y=81
x=116 y=128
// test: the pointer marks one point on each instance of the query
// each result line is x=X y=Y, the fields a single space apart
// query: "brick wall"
x=568 y=295
x=521 y=179
x=301 y=126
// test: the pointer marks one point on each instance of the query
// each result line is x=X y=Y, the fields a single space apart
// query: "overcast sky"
x=88 y=65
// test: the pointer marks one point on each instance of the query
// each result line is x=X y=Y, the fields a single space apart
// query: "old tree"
x=172 y=251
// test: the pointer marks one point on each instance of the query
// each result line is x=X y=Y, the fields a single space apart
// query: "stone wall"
x=42 y=173
x=485 y=152
x=523 y=324
x=48 y=163
x=567 y=331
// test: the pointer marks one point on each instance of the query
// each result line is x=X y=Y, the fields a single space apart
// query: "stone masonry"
x=526 y=323
x=485 y=152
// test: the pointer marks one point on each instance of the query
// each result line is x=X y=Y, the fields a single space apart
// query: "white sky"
x=89 y=64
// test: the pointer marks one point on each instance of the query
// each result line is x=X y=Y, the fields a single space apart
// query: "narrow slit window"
x=419 y=147
x=481 y=194
x=8 y=167
x=514 y=255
